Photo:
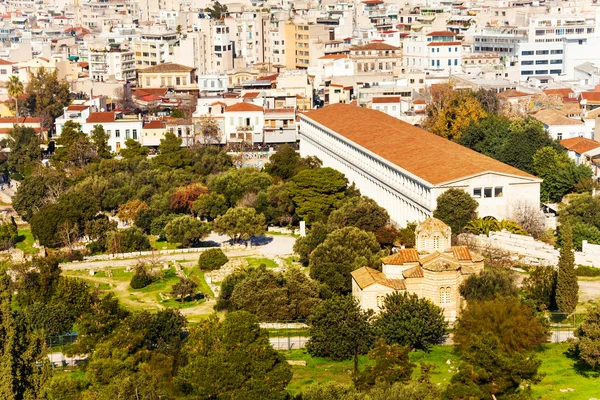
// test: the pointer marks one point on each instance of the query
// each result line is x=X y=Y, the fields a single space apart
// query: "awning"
x=73 y=58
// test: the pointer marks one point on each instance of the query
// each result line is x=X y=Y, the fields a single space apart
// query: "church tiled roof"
x=414 y=272
x=401 y=257
x=461 y=253
x=366 y=277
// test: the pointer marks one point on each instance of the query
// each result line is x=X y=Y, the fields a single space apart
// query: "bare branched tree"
x=529 y=217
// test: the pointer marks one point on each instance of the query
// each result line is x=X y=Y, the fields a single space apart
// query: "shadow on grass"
x=580 y=367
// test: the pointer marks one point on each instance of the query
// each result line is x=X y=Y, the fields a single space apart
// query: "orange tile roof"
x=4 y=62
x=22 y=120
x=580 y=145
x=444 y=44
x=250 y=95
x=512 y=93
x=366 y=277
x=374 y=46
x=154 y=124
x=77 y=107
x=401 y=257
x=101 y=117
x=389 y=99
x=441 y=33
x=554 y=117
x=591 y=97
x=419 y=102
x=562 y=92
x=406 y=145
x=243 y=107
x=414 y=272
x=333 y=57
x=461 y=253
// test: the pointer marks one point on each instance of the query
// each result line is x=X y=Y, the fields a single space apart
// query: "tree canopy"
x=456 y=208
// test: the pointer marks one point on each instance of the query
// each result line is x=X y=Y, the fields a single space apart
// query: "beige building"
x=179 y=77
x=375 y=57
x=433 y=270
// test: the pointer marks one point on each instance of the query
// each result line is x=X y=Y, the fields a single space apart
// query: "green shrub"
x=212 y=259
x=141 y=277
x=584 y=270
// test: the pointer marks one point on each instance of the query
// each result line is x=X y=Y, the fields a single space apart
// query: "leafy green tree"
x=20 y=350
x=145 y=217
x=158 y=224
x=316 y=235
x=133 y=149
x=567 y=288
x=406 y=235
x=184 y=288
x=490 y=284
x=177 y=113
x=127 y=241
x=516 y=326
x=361 y=212
x=559 y=172
x=330 y=391
x=288 y=296
x=340 y=329
x=8 y=234
x=141 y=276
x=391 y=365
x=540 y=286
x=583 y=208
x=234 y=184
x=36 y=191
x=210 y=160
x=63 y=386
x=408 y=320
x=420 y=389
x=317 y=192
x=212 y=259
x=210 y=206
x=25 y=153
x=227 y=287
x=240 y=223
x=286 y=163
x=97 y=231
x=47 y=96
x=279 y=204
x=486 y=370
x=343 y=251
x=170 y=153
x=583 y=231
x=487 y=135
x=456 y=208
x=587 y=345
x=186 y=230
x=232 y=359
x=100 y=141
x=217 y=11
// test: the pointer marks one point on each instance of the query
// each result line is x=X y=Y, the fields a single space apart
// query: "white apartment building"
x=244 y=123
x=438 y=51
x=112 y=64
x=154 y=47
x=553 y=40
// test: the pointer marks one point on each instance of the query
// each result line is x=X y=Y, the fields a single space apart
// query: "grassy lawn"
x=255 y=262
x=322 y=370
x=162 y=245
x=25 y=241
x=560 y=372
x=198 y=277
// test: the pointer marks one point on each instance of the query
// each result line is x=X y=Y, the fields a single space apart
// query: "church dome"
x=433 y=235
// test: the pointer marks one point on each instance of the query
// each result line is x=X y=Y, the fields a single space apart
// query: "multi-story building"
x=304 y=36
x=435 y=51
x=244 y=123
x=179 y=77
x=154 y=47
x=502 y=40
x=375 y=57
x=112 y=64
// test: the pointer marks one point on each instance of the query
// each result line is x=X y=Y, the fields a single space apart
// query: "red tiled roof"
x=374 y=46
x=146 y=91
x=243 y=107
x=101 y=117
x=414 y=272
x=444 y=44
x=562 y=92
x=441 y=33
x=333 y=57
x=4 y=62
x=419 y=102
x=77 y=107
x=580 y=145
x=272 y=77
x=251 y=95
x=154 y=124
x=369 y=2
x=403 y=256
x=218 y=103
x=389 y=99
x=406 y=145
x=593 y=97
x=22 y=120
x=461 y=253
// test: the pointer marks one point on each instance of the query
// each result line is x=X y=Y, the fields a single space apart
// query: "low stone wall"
x=526 y=250
x=120 y=256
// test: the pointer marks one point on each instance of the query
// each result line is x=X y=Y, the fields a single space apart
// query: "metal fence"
x=60 y=340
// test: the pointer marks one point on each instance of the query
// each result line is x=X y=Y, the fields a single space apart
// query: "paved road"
x=269 y=247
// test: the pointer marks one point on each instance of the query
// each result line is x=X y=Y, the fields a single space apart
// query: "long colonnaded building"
x=405 y=168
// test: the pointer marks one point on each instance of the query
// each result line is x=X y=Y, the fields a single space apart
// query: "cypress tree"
x=567 y=287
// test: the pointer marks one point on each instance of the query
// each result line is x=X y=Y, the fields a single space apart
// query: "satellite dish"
x=102 y=110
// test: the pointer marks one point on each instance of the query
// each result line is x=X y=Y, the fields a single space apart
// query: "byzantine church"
x=433 y=270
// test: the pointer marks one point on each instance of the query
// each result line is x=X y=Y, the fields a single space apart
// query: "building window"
x=135 y=134
x=126 y=133
x=498 y=191
x=445 y=295
x=178 y=81
x=487 y=192
x=436 y=242
x=477 y=192
x=117 y=133
x=559 y=136
x=380 y=301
